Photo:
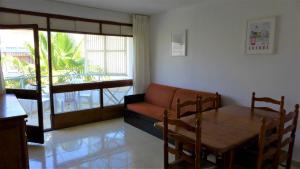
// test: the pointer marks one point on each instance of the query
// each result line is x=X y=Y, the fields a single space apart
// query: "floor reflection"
x=110 y=144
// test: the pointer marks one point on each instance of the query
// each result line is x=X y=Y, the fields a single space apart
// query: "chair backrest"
x=268 y=144
x=213 y=102
x=187 y=94
x=181 y=106
x=280 y=103
x=288 y=134
x=176 y=136
x=70 y=96
x=201 y=105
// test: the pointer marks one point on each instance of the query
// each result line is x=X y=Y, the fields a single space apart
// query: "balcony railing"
x=74 y=96
x=22 y=80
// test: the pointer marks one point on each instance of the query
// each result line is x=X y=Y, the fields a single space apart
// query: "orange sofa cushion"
x=147 y=109
x=150 y=110
x=185 y=95
x=160 y=95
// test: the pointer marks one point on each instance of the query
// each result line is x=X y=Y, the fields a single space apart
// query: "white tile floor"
x=110 y=144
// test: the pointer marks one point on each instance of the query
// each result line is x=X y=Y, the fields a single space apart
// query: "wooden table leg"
x=228 y=159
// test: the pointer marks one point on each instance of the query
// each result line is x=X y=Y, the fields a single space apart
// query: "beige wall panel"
x=91 y=27
x=62 y=24
x=31 y=19
x=9 y=18
x=126 y=30
x=111 y=29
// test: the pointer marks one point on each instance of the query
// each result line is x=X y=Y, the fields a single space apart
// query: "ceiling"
x=147 y=7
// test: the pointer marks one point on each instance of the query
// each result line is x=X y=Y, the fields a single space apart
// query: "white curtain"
x=141 y=55
x=2 y=87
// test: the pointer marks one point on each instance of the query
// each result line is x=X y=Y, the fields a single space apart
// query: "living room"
x=131 y=62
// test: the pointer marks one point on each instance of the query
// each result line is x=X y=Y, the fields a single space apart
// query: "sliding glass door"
x=21 y=65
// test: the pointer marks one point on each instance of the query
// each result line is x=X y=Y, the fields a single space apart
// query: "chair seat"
x=183 y=164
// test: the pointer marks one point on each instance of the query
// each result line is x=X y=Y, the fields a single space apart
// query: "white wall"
x=216 y=59
x=66 y=9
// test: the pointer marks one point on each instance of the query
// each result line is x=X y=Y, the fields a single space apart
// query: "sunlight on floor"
x=109 y=144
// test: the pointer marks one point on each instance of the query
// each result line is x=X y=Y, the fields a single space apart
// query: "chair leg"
x=228 y=159
x=91 y=101
x=179 y=149
x=219 y=160
x=289 y=162
x=205 y=154
x=62 y=104
x=79 y=101
x=76 y=105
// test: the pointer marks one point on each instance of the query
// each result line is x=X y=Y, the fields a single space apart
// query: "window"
x=75 y=101
x=80 y=58
x=17 y=58
x=18 y=61
x=89 y=54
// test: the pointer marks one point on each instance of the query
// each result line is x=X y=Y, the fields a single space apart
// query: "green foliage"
x=66 y=54
x=27 y=70
x=66 y=57
x=68 y=63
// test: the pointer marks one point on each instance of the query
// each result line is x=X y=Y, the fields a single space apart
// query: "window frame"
x=55 y=122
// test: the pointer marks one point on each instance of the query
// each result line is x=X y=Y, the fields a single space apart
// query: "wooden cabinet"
x=13 y=142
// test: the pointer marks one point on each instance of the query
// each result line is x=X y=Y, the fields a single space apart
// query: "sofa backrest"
x=185 y=95
x=160 y=95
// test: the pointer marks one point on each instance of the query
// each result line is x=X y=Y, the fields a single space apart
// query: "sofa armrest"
x=133 y=99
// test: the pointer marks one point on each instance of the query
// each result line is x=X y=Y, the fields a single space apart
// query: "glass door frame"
x=34 y=133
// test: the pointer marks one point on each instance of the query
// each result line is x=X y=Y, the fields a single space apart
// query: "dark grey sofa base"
x=142 y=122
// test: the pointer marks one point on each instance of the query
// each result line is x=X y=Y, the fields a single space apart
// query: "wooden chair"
x=280 y=103
x=266 y=156
x=288 y=134
x=85 y=97
x=268 y=145
x=181 y=106
x=208 y=104
x=182 y=159
x=70 y=98
x=199 y=103
x=212 y=102
x=252 y=147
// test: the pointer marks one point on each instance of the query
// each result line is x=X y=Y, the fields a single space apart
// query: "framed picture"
x=260 y=37
x=179 y=43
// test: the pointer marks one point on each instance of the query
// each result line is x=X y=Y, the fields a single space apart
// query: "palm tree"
x=43 y=44
x=67 y=60
x=66 y=56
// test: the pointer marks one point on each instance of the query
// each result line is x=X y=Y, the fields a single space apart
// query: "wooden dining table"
x=226 y=129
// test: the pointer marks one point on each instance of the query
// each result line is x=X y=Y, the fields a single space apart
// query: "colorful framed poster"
x=179 y=43
x=261 y=36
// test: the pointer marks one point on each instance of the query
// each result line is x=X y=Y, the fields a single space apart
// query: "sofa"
x=143 y=110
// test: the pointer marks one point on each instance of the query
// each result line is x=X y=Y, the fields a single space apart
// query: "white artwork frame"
x=260 y=36
x=178 y=43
